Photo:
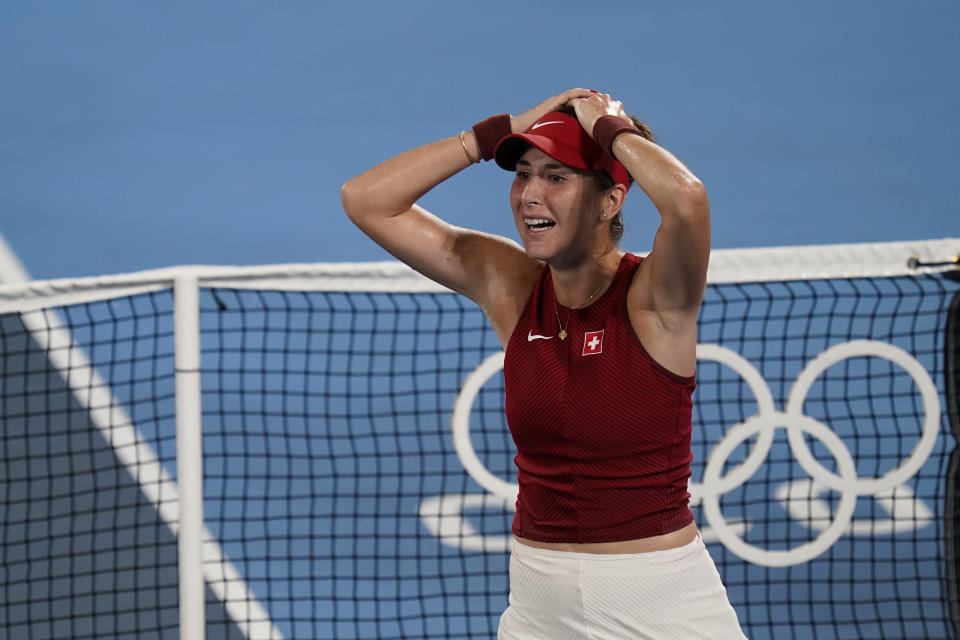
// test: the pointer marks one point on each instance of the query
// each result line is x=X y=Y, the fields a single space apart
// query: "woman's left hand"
x=590 y=108
x=523 y=122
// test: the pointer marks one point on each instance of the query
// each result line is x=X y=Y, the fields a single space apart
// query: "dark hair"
x=602 y=179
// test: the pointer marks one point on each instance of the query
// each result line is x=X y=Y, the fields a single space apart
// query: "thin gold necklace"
x=563 y=330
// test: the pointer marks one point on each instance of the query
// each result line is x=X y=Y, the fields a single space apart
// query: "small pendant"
x=563 y=334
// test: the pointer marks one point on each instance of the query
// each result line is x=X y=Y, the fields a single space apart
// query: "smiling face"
x=555 y=208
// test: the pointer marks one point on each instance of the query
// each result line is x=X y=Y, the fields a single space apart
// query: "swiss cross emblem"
x=592 y=343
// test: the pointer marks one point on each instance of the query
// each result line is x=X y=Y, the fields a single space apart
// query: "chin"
x=536 y=250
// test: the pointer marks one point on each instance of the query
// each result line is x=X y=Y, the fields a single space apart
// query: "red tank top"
x=602 y=430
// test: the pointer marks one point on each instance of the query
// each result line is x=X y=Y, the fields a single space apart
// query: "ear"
x=612 y=201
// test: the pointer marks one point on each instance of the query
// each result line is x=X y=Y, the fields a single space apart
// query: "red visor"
x=562 y=138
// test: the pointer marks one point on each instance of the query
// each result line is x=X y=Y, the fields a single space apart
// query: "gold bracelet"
x=464 y=145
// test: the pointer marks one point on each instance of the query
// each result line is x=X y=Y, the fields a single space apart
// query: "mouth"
x=539 y=224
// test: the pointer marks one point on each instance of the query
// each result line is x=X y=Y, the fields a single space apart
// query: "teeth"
x=538 y=222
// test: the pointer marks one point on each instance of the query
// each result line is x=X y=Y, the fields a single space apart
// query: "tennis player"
x=600 y=360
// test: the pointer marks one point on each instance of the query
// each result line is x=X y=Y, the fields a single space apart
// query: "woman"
x=600 y=360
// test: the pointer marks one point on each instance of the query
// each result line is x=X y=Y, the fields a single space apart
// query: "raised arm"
x=670 y=284
x=490 y=270
x=382 y=203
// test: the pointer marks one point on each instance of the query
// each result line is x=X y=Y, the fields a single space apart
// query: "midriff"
x=672 y=540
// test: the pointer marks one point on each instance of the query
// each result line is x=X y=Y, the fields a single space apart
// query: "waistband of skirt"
x=663 y=555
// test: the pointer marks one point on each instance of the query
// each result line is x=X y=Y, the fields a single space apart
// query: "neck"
x=581 y=285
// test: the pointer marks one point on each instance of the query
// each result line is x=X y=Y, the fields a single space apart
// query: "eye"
x=556 y=178
x=523 y=175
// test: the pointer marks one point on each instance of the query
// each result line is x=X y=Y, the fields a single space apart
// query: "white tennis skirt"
x=658 y=595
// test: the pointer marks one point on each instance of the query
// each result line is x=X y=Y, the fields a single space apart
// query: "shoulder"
x=631 y=262
x=631 y=266
x=645 y=296
x=502 y=279
x=668 y=335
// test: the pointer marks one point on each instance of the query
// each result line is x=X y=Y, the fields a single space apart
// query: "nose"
x=532 y=192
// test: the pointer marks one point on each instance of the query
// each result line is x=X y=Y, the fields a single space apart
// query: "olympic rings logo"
x=888 y=489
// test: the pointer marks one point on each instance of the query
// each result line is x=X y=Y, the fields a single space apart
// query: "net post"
x=192 y=594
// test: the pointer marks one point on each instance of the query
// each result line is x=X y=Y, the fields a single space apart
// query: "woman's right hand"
x=523 y=122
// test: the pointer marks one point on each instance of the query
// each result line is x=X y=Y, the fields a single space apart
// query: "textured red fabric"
x=562 y=138
x=602 y=430
x=607 y=128
x=491 y=131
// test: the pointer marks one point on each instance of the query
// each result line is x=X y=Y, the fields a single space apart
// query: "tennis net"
x=357 y=475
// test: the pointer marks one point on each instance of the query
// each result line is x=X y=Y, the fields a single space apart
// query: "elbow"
x=350 y=197
x=692 y=201
x=364 y=203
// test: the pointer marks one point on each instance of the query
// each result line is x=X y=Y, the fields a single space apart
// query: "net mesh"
x=84 y=552
x=885 y=577
x=333 y=489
